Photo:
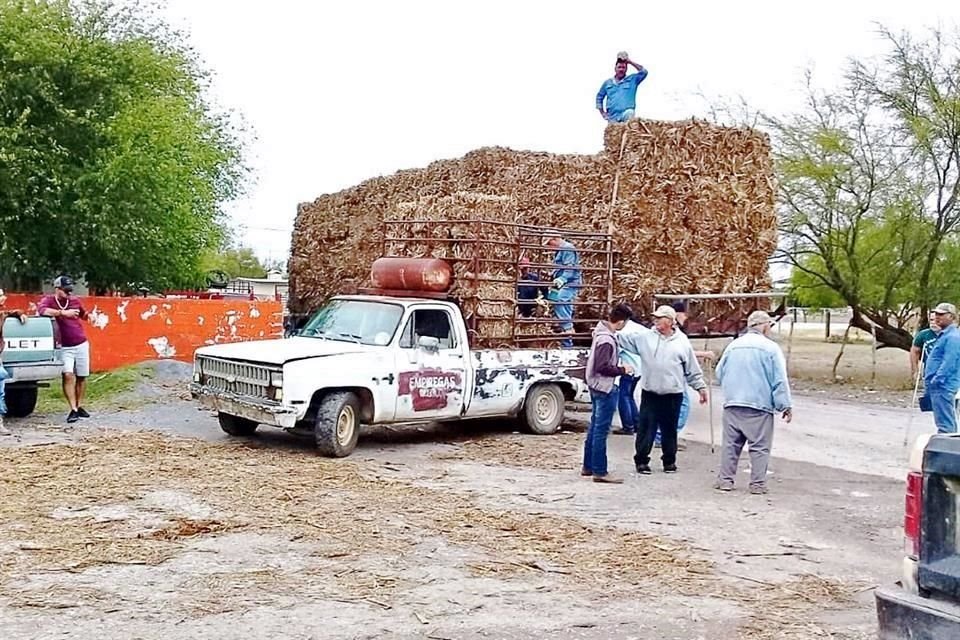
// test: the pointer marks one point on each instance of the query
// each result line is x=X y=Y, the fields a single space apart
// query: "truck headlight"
x=197 y=377
x=276 y=379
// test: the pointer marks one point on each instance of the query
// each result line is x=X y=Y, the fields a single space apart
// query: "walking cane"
x=913 y=404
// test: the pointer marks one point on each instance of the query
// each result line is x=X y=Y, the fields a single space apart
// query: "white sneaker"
x=3 y=430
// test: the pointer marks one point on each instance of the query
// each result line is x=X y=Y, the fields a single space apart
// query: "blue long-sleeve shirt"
x=620 y=96
x=753 y=373
x=942 y=371
x=568 y=264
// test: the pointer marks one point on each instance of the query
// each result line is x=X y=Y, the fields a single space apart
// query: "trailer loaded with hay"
x=668 y=207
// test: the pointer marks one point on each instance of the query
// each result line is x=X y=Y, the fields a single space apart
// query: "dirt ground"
x=148 y=522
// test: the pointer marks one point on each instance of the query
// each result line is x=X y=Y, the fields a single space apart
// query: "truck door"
x=431 y=367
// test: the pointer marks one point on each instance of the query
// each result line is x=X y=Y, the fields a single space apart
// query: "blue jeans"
x=601 y=417
x=563 y=310
x=944 y=410
x=627 y=404
x=622 y=117
x=3 y=404
x=684 y=414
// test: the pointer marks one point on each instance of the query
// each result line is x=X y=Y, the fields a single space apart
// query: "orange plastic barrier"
x=125 y=331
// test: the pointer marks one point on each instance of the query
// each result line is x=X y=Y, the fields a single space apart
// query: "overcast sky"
x=337 y=92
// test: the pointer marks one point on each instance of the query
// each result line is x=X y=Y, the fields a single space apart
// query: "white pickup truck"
x=373 y=359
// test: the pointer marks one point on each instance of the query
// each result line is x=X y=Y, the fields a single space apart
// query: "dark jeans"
x=601 y=417
x=658 y=412
x=627 y=404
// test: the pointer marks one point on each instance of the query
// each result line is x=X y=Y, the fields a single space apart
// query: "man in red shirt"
x=69 y=313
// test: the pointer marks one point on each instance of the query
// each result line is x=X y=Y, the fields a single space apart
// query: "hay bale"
x=694 y=209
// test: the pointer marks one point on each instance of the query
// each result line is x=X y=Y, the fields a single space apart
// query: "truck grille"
x=241 y=378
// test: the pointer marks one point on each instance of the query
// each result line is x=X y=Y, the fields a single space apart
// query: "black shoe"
x=669 y=468
x=73 y=417
x=644 y=469
x=82 y=412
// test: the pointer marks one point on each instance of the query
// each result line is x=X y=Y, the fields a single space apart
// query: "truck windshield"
x=360 y=321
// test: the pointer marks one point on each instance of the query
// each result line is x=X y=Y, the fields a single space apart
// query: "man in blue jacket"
x=753 y=374
x=566 y=283
x=941 y=374
x=617 y=98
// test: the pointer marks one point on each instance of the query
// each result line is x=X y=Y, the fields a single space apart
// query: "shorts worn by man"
x=753 y=375
x=941 y=373
x=617 y=98
x=69 y=314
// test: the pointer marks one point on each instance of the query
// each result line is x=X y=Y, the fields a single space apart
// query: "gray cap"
x=758 y=317
x=63 y=282
x=946 y=307
x=665 y=311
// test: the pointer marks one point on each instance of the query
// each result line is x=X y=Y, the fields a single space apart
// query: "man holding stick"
x=753 y=375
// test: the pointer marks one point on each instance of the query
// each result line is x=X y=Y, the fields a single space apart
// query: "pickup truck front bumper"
x=29 y=372
x=907 y=616
x=276 y=415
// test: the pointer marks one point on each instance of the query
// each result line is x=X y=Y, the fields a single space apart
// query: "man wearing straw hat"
x=753 y=375
x=566 y=282
x=617 y=98
x=669 y=365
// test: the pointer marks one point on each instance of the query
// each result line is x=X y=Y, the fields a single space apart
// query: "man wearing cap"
x=68 y=312
x=941 y=374
x=617 y=98
x=669 y=365
x=566 y=282
x=753 y=375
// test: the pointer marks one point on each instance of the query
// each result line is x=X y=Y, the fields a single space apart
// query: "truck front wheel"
x=338 y=424
x=543 y=409
x=21 y=401
x=235 y=425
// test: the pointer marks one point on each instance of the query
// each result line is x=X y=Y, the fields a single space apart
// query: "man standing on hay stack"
x=602 y=372
x=669 y=365
x=620 y=91
x=566 y=282
x=753 y=375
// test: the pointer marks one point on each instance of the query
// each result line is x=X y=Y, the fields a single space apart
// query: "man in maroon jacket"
x=68 y=312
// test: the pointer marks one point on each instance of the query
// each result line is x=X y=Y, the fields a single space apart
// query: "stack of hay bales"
x=693 y=209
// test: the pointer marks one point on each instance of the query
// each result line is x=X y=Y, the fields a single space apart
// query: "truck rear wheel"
x=235 y=425
x=543 y=409
x=338 y=424
x=21 y=401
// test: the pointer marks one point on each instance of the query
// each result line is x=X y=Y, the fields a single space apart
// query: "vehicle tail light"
x=913 y=509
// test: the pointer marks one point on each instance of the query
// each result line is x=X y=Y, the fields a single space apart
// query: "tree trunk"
x=836 y=361
x=887 y=336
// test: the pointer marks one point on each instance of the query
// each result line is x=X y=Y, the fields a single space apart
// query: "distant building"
x=272 y=287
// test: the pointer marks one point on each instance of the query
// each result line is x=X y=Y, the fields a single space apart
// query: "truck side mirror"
x=428 y=344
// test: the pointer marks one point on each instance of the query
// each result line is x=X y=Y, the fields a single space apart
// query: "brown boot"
x=608 y=479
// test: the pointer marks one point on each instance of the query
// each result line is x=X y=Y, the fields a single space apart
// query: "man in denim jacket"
x=941 y=373
x=753 y=375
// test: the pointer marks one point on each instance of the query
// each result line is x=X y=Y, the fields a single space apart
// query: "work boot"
x=758 y=489
x=723 y=485
x=72 y=417
x=644 y=469
x=82 y=412
x=3 y=430
x=607 y=479
x=669 y=468
x=586 y=472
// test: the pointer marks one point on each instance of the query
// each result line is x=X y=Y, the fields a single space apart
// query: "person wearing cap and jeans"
x=602 y=370
x=669 y=365
x=941 y=374
x=753 y=375
x=68 y=312
x=566 y=283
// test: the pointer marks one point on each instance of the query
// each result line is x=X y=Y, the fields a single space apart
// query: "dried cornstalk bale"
x=693 y=212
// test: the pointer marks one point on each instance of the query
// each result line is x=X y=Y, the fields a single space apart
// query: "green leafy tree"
x=113 y=165
x=239 y=262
